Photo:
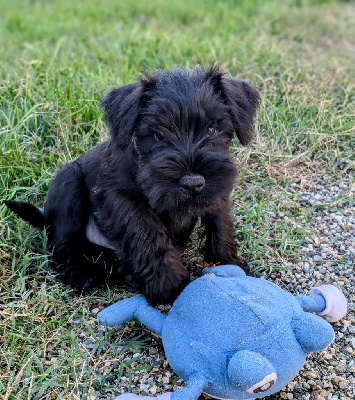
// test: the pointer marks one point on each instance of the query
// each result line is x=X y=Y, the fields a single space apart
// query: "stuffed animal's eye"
x=263 y=385
x=159 y=136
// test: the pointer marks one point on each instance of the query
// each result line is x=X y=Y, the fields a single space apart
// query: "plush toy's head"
x=235 y=337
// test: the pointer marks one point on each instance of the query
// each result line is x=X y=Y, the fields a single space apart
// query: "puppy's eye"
x=159 y=136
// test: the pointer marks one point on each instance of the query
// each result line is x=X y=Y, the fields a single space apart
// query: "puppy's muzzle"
x=194 y=183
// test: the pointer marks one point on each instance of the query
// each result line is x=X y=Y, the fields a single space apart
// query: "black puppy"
x=138 y=196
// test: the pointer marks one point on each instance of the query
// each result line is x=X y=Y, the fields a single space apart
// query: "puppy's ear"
x=243 y=101
x=122 y=108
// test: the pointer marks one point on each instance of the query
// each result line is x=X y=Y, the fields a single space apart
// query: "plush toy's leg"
x=312 y=303
x=327 y=301
x=131 y=396
x=134 y=307
x=192 y=391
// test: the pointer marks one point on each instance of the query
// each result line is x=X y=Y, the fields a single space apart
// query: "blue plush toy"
x=233 y=336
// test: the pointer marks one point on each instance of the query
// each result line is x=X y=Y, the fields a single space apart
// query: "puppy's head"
x=181 y=123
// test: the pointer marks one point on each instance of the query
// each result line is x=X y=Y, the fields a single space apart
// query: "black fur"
x=140 y=194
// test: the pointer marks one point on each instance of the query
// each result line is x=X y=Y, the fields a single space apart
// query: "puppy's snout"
x=192 y=182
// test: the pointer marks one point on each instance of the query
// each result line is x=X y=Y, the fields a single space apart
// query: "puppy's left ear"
x=122 y=108
x=243 y=101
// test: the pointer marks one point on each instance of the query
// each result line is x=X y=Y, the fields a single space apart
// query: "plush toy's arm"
x=134 y=307
x=327 y=301
x=193 y=389
x=312 y=303
x=131 y=396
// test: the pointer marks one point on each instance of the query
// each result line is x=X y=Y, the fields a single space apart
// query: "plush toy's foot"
x=131 y=396
x=336 y=304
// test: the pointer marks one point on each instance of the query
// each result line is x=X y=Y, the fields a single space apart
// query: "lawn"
x=57 y=60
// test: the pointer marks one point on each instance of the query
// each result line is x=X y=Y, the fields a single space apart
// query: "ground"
x=293 y=198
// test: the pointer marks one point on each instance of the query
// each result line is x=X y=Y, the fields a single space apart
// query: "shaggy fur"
x=137 y=196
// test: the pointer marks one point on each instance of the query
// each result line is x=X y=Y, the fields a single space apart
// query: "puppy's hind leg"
x=79 y=262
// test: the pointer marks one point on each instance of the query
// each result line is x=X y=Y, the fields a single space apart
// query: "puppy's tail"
x=28 y=212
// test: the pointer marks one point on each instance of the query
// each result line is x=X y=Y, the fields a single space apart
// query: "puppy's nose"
x=192 y=182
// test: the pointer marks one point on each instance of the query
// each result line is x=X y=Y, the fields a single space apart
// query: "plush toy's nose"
x=194 y=182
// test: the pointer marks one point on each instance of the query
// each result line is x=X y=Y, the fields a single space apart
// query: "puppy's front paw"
x=165 y=284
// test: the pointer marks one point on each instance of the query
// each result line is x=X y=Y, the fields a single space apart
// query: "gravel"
x=327 y=256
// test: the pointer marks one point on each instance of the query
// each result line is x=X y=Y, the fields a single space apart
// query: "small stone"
x=89 y=344
x=340 y=367
x=153 y=390
x=316 y=240
x=312 y=374
x=343 y=384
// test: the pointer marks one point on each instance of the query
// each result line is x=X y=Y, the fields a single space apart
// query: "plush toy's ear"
x=224 y=271
x=312 y=332
x=243 y=101
x=250 y=371
x=123 y=106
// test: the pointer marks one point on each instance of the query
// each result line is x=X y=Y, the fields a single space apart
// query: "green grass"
x=58 y=58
